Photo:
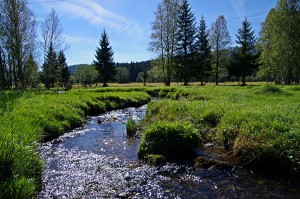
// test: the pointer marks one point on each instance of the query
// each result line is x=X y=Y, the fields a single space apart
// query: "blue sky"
x=128 y=23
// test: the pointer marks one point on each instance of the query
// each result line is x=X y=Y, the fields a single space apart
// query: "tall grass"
x=259 y=124
x=30 y=117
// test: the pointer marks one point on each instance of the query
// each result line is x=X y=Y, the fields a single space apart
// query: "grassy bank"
x=28 y=117
x=259 y=125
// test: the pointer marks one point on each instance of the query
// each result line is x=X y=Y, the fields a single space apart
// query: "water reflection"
x=99 y=161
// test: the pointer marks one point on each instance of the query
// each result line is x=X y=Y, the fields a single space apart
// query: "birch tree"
x=163 y=37
x=219 y=41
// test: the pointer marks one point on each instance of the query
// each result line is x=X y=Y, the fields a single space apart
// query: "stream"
x=99 y=161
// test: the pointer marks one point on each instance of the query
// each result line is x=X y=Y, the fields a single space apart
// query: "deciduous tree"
x=17 y=40
x=219 y=41
x=163 y=36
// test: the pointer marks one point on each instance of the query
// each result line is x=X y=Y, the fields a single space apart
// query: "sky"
x=128 y=23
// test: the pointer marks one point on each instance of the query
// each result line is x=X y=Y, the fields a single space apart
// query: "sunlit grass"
x=255 y=123
x=28 y=117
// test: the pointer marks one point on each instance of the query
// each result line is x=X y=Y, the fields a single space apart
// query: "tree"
x=203 y=51
x=52 y=33
x=64 y=74
x=219 y=41
x=145 y=76
x=122 y=75
x=163 y=36
x=86 y=75
x=246 y=58
x=186 y=34
x=31 y=73
x=280 y=42
x=17 y=40
x=104 y=60
x=50 y=67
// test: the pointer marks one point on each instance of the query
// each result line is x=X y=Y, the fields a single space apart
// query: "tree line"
x=186 y=50
x=19 y=48
x=190 y=52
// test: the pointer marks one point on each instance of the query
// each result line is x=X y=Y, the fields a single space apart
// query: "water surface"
x=99 y=161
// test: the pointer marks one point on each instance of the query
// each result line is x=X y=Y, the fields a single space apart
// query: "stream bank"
x=100 y=161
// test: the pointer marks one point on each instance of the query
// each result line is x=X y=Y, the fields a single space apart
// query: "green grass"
x=29 y=117
x=258 y=124
x=168 y=139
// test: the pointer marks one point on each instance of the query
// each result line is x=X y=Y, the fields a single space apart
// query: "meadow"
x=31 y=117
x=258 y=125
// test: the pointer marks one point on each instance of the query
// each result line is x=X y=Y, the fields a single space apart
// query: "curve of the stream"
x=99 y=161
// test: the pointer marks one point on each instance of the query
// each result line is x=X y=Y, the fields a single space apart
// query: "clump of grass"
x=169 y=139
x=269 y=89
x=131 y=127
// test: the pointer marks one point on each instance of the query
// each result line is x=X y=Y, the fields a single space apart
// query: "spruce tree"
x=246 y=58
x=104 y=60
x=64 y=73
x=203 y=51
x=50 y=68
x=186 y=39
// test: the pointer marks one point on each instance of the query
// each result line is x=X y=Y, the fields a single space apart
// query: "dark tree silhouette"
x=50 y=68
x=104 y=60
x=246 y=57
x=203 y=52
x=186 y=40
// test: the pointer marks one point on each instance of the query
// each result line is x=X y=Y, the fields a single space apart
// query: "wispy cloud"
x=95 y=14
x=239 y=7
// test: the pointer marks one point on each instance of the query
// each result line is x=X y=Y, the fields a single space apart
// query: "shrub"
x=172 y=140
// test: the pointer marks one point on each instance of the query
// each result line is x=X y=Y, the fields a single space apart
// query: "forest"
x=186 y=51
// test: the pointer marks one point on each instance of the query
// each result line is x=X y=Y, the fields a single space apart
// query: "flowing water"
x=99 y=161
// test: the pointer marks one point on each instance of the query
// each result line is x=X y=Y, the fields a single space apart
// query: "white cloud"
x=95 y=14
x=239 y=7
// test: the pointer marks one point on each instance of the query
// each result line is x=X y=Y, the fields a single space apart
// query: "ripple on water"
x=98 y=161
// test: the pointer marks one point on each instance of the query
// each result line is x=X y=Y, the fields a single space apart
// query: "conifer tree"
x=104 y=60
x=246 y=58
x=186 y=40
x=50 y=68
x=31 y=72
x=63 y=70
x=203 y=51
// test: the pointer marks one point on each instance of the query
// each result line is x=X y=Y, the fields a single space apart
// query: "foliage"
x=279 y=42
x=203 y=52
x=50 y=68
x=163 y=36
x=86 y=75
x=104 y=60
x=186 y=34
x=17 y=42
x=122 y=75
x=170 y=139
x=219 y=41
x=246 y=58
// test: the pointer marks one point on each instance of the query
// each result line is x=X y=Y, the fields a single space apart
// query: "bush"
x=172 y=140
